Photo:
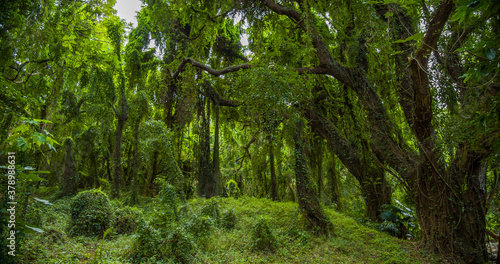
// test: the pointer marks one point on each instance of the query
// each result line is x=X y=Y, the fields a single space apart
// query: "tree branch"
x=207 y=68
x=333 y=67
x=438 y=21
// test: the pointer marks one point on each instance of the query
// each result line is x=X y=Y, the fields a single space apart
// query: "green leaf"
x=459 y=15
x=415 y=37
x=39 y=138
x=106 y=233
x=30 y=176
x=43 y=201
x=491 y=54
x=23 y=143
x=38 y=230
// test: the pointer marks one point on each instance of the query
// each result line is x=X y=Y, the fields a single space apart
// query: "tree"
x=445 y=188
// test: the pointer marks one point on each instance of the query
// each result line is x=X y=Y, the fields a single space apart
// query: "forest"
x=250 y=131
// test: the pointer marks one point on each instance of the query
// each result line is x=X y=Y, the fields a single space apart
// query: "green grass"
x=350 y=242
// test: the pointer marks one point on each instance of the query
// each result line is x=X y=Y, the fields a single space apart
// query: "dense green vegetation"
x=200 y=239
x=345 y=131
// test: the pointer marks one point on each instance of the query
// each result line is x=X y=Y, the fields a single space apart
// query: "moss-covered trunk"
x=307 y=195
x=68 y=178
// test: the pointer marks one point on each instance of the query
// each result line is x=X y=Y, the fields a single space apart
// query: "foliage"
x=263 y=238
x=232 y=189
x=91 y=213
x=126 y=220
x=228 y=219
x=212 y=210
x=399 y=221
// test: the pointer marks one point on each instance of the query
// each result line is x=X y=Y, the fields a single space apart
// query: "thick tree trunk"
x=376 y=191
x=451 y=208
x=206 y=187
x=307 y=196
x=122 y=116
x=68 y=179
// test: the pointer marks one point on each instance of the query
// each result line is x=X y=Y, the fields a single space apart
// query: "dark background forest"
x=338 y=122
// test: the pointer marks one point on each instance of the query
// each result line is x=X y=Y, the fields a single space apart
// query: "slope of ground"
x=349 y=243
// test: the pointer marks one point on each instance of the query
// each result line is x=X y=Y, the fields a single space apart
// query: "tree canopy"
x=366 y=106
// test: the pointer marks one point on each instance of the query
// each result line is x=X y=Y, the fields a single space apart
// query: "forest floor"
x=351 y=242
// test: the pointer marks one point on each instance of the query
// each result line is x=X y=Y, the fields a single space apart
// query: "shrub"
x=200 y=226
x=232 y=189
x=181 y=246
x=228 y=219
x=263 y=238
x=91 y=213
x=397 y=220
x=53 y=236
x=126 y=220
x=212 y=210
x=152 y=244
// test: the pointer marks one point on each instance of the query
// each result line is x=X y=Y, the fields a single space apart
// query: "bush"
x=228 y=219
x=126 y=220
x=212 y=210
x=53 y=236
x=181 y=246
x=156 y=244
x=263 y=238
x=232 y=189
x=200 y=226
x=91 y=213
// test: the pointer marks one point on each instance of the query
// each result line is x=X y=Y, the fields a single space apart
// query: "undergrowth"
x=219 y=230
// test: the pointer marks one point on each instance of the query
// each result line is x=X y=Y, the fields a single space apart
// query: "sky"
x=127 y=10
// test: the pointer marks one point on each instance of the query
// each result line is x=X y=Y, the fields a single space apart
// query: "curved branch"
x=207 y=68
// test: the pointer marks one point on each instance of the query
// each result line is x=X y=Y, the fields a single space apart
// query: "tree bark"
x=307 y=196
x=333 y=182
x=274 y=185
x=68 y=179
x=205 y=171
x=154 y=172
x=216 y=156
x=376 y=192
x=135 y=166
x=122 y=117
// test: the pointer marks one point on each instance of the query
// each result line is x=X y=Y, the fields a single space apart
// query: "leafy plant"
x=399 y=221
x=228 y=219
x=212 y=210
x=126 y=220
x=263 y=238
x=232 y=189
x=91 y=213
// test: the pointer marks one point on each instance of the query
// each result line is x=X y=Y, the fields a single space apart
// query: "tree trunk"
x=274 y=185
x=122 y=116
x=68 y=179
x=154 y=172
x=451 y=207
x=216 y=156
x=205 y=187
x=135 y=167
x=307 y=196
x=376 y=191
x=333 y=182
